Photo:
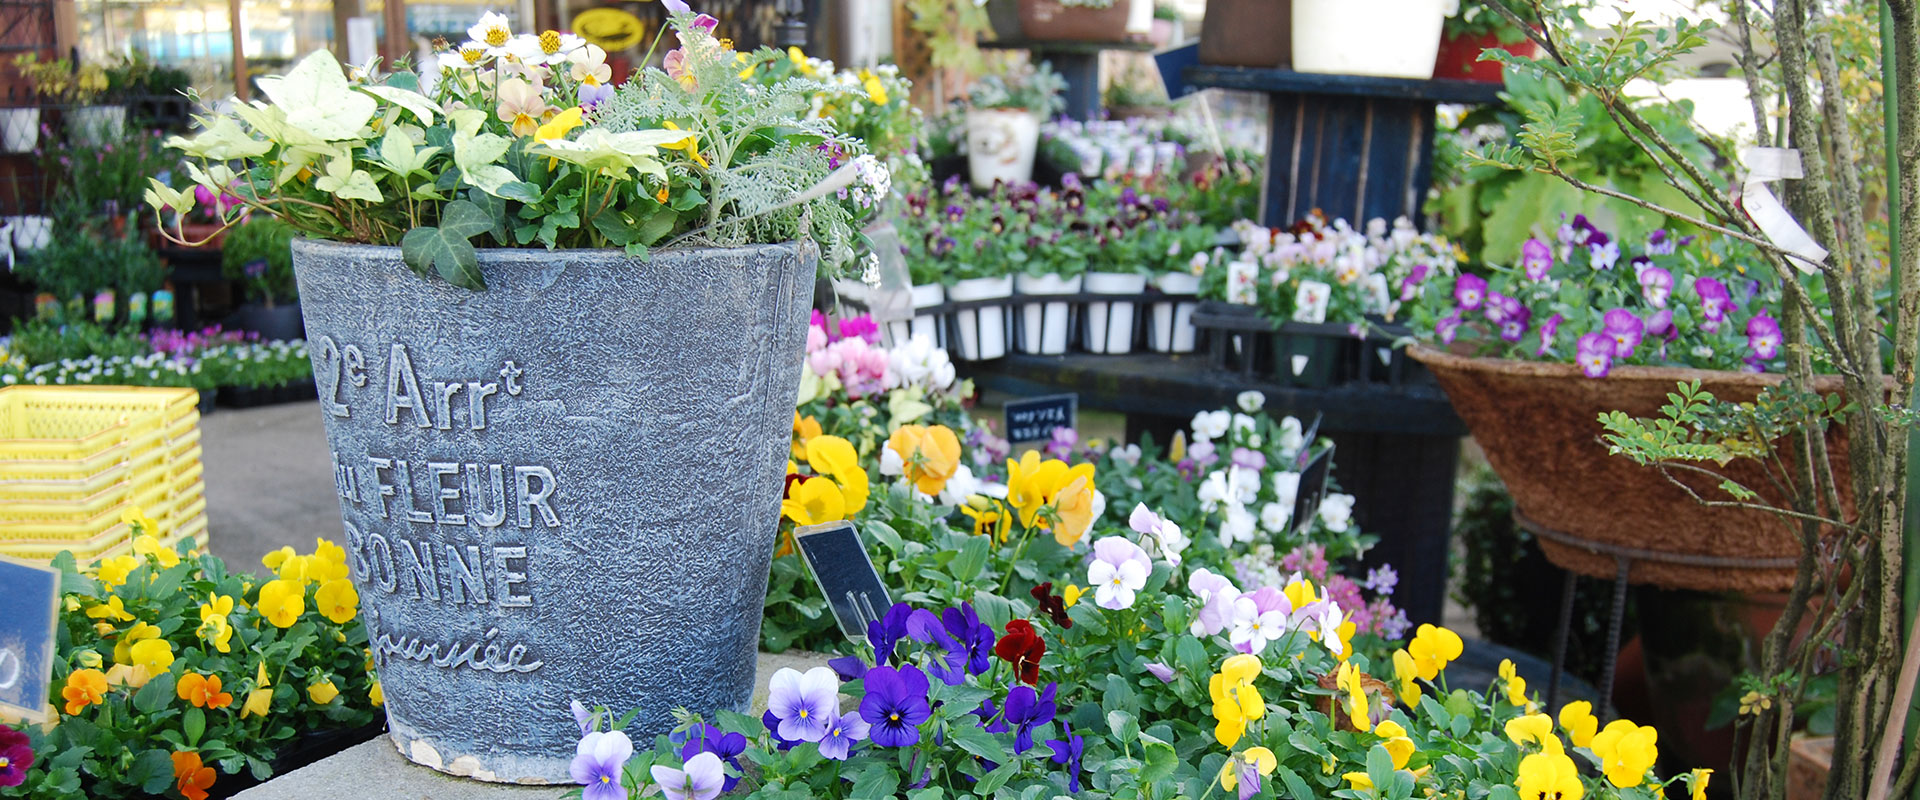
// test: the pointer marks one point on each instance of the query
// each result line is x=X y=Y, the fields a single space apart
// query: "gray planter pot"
x=633 y=417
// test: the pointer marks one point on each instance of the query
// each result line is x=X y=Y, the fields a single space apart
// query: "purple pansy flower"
x=701 y=778
x=704 y=22
x=1548 y=330
x=1249 y=459
x=1536 y=257
x=1661 y=325
x=1594 y=353
x=1605 y=252
x=708 y=739
x=802 y=702
x=1496 y=308
x=16 y=757
x=593 y=94
x=1447 y=328
x=884 y=632
x=676 y=6
x=1249 y=775
x=842 y=732
x=580 y=716
x=1468 y=291
x=1410 y=285
x=1066 y=753
x=1625 y=329
x=1640 y=264
x=951 y=665
x=1656 y=285
x=1061 y=443
x=1660 y=243
x=597 y=764
x=1715 y=301
x=895 y=705
x=975 y=636
x=1763 y=336
x=849 y=668
x=1161 y=671
x=1027 y=710
x=1514 y=327
x=773 y=726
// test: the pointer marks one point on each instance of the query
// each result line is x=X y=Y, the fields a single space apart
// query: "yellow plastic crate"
x=107 y=545
x=74 y=422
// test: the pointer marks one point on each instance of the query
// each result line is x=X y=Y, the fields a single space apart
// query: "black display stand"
x=1078 y=63
x=1398 y=450
x=1352 y=146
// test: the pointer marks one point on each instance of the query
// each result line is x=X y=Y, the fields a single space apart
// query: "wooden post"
x=396 y=44
x=241 y=89
x=343 y=10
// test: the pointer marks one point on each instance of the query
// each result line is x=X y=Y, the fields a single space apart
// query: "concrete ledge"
x=376 y=769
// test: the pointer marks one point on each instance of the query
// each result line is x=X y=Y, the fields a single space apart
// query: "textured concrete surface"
x=269 y=483
x=376 y=770
x=564 y=487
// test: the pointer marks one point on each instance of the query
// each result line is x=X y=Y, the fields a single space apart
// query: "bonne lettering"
x=435 y=571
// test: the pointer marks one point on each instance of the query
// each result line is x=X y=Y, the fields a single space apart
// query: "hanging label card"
x=845 y=573
x=1033 y=419
x=1313 y=489
x=28 y=611
x=1307 y=438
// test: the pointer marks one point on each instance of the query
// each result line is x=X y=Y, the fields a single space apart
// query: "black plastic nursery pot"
x=271 y=322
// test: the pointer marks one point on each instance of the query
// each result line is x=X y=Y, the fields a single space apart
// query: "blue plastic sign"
x=845 y=573
x=28 y=614
x=1173 y=68
x=1033 y=419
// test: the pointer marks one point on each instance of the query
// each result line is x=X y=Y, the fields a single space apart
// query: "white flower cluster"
x=153 y=369
x=1242 y=484
x=917 y=362
x=872 y=182
x=1387 y=265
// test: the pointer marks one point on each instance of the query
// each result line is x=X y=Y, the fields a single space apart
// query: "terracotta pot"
x=1247 y=33
x=1459 y=58
x=1052 y=21
x=1538 y=424
x=1807 y=771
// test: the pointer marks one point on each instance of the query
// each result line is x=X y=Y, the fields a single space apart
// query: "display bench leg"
x=1082 y=73
x=1403 y=491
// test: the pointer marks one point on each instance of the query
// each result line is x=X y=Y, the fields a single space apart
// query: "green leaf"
x=1123 y=726
x=878 y=782
x=414 y=102
x=616 y=227
x=1380 y=767
x=155 y=695
x=446 y=249
x=1162 y=761
x=992 y=781
x=977 y=741
x=1296 y=787
x=194 y=724
x=971 y=559
x=152 y=770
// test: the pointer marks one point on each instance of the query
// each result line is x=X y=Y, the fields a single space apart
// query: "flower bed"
x=207 y=360
x=173 y=674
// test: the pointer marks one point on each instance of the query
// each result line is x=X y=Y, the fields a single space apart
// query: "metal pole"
x=240 y=88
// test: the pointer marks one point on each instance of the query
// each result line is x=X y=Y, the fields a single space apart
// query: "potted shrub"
x=1003 y=122
x=80 y=86
x=1247 y=33
x=1475 y=29
x=1385 y=38
x=1060 y=269
x=588 y=334
x=258 y=255
x=1139 y=237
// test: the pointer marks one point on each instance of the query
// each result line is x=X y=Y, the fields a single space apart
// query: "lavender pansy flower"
x=1605 y=252
x=895 y=705
x=583 y=718
x=701 y=778
x=1715 y=301
x=1382 y=579
x=1161 y=671
x=950 y=666
x=676 y=6
x=1660 y=243
x=705 y=738
x=1496 y=308
x=842 y=733
x=1763 y=336
x=802 y=702
x=1249 y=459
x=1549 y=330
x=1469 y=291
x=1119 y=570
x=1410 y=285
x=1447 y=328
x=1594 y=353
x=598 y=762
x=1625 y=329
x=1661 y=325
x=1536 y=257
x=1656 y=285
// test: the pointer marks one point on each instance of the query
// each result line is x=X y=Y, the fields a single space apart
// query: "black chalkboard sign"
x=1033 y=419
x=1313 y=488
x=27 y=617
x=1306 y=442
x=845 y=573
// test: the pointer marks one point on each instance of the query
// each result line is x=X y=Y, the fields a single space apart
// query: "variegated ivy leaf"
x=613 y=154
x=400 y=157
x=224 y=141
x=475 y=153
x=414 y=102
x=345 y=182
x=163 y=197
x=316 y=98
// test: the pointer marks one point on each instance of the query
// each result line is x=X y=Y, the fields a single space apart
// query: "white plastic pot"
x=982 y=331
x=1173 y=330
x=1044 y=326
x=32 y=232
x=1110 y=325
x=19 y=129
x=97 y=125
x=928 y=325
x=1140 y=17
x=1000 y=145
x=1383 y=38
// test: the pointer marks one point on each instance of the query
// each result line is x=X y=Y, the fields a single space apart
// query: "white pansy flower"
x=1273 y=517
x=1210 y=425
x=1251 y=401
x=1336 y=512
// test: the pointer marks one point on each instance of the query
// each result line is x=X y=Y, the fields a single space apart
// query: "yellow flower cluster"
x=284 y=599
x=929 y=454
x=836 y=490
x=1626 y=752
x=1236 y=701
x=1049 y=495
x=1423 y=659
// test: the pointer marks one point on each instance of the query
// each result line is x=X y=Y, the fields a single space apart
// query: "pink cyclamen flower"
x=1536 y=257
x=1548 y=330
x=1119 y=570
x=1469 y=291
x=701 y=778
x=1626 y=329
x=1763 y=336
x=1656 y=285
x=1594 y=353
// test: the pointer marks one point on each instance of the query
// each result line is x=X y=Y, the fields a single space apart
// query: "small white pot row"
x=983 y=333
x=29 y=232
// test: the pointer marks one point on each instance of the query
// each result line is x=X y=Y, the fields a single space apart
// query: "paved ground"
x=269 y=482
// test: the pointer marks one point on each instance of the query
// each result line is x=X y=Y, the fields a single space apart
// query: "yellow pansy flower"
x=876 y=91
x=1577 y=718
x=137 y=519
x=154 y=654
x=323 y=692
x=834 y=456
x=1516 y=686
x=1432 y=647
x=336 y=600
x=562 y=124
x=282 y=602
x=1235 y=699
x=1347 y=677
x=813 y=501
x=111 y=610
x=929 y=455
x=259 y=702
x=1550 y=773
x=1626 y=752
x=689 y=145
x=1399 y=745
x=123 y=649
x=147 y=545
x=1697 y=783
x=1071 y=595
x=113 y=572
x=1409 y=677
x=132 y=677
x=376 y=695
x=217 y=631
x=1530 y=729
x=988 y=515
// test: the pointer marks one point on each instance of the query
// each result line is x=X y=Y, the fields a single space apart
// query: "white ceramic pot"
x=1110 y=325
x=32 y=232
x=97 y=125
x=982 y=331
x=1172 y=330
x=1000 y=145
x=1384 y=38
x=1140 y=17
x=19 y=129
x=927 y=325
x=1044 y=326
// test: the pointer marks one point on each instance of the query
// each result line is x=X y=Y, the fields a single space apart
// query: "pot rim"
x=498 y=252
